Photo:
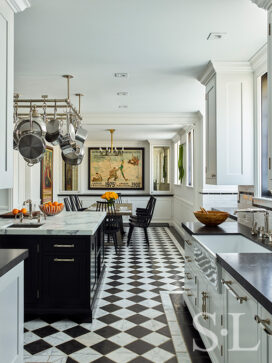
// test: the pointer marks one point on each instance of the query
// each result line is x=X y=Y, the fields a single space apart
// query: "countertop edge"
x=13 y=262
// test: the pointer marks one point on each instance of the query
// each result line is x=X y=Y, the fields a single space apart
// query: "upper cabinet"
x=229 y=123
x=6 y=94
x=7 y=10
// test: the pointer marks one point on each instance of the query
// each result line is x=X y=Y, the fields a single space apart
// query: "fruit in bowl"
x=211 y=218
x=51 y=209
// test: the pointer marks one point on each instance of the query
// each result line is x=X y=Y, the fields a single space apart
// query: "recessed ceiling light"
x=216 y=36
x=123 y=106
x=122 y=93
x=121 y=75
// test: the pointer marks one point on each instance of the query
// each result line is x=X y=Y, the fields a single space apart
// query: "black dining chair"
x=72 y=202
x=76 y=203
x=67 y=204
x=119 y=200
x=111 y=224
x=144 y=211
x=141 y=221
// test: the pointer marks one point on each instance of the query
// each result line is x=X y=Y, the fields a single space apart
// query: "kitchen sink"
x=230 y=244
x=25 y=225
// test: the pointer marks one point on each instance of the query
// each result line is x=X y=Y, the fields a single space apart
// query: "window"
x=69 y=177
x=176 y=158
x=161 y=158
x=190 y=158
x=264 y=136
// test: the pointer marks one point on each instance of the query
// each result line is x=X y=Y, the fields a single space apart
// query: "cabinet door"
x=264 y=322
x=6 y=95
x=241 y=343
x=211 y=132
x=93 y=266
x=203 y=301
x=31 y=270
x=65 y=281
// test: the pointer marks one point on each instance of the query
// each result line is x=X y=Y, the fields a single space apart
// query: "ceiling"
x=161 y=44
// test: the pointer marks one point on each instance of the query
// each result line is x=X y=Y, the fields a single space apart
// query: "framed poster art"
x=47 y=176
x=124 y=171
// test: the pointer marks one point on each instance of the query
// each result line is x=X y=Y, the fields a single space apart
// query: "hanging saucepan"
x=81 y=136
x=32 y=148
x=31 y=143
x=53 y=130
x=74 y=158
x=37 y=127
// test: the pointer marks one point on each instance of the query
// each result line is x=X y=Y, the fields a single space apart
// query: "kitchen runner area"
x=134 y=320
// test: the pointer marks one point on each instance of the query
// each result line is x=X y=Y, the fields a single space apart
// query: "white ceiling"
x=160 y=43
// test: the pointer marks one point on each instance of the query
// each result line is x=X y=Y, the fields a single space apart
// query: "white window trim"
x=177 y=182
x=192 y=159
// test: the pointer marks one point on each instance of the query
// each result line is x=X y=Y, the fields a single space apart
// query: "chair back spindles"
x=119 y=200
x=67 y=204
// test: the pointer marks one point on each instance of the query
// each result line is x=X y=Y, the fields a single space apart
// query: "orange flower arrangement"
x=110 y=197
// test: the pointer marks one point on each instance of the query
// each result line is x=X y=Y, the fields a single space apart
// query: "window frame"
x=176 y=157
x=190 y=158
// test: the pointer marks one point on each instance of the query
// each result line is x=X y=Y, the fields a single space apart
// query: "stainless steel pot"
x=31 y=146
x=53 y=130
x=35 y=124
x=72 y=159
x=81 y=136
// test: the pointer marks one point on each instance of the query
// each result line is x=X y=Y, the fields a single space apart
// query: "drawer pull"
x=64 y=260
x=264 y=323
x=188 y=276
x=241 y=299
x=188 y=242
x=188 y=292
x=204 y=305
x=64 y=246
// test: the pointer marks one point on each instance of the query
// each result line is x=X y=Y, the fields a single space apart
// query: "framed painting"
x=124 y=171
x=47 y=176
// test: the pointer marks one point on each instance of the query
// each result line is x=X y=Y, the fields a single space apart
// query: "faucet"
x=264 y=232
x=21 y=217
x=29 y=201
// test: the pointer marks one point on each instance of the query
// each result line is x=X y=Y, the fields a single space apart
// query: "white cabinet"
x=229 y=124
x=264 y=322
x=241 y=341
x=6 y=94
x=12 y=315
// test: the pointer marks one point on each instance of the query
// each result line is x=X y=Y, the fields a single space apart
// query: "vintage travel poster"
x=47 y=176
x=124 y=171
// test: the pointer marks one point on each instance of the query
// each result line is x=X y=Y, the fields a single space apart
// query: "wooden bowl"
x=51 y=210
x=211 y=218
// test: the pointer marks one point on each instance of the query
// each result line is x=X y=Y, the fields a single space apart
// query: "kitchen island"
x=65 y=264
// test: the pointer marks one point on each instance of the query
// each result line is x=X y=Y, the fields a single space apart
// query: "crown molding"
x=259 y=59
x=264 y=4
x=115 y=119
x=214 y=67
x=18 y=5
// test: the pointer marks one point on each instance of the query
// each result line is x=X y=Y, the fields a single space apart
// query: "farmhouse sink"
x=230 y=244
x=25 y=225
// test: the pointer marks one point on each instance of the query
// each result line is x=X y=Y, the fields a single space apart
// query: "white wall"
x=187 y=199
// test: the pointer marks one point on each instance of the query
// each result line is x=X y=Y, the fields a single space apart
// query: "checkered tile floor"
x=130 y=324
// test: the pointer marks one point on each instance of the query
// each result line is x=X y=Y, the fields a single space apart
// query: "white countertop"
x=65 y=223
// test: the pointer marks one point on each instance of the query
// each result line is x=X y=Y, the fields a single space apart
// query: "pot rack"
x=20 y=104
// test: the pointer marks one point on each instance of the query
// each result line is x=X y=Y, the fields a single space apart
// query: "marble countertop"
x=253 y=272
x=65 y=223
x=9 y=258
